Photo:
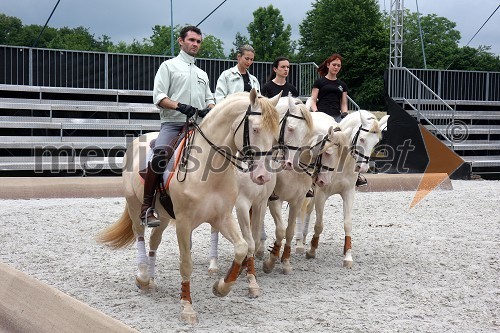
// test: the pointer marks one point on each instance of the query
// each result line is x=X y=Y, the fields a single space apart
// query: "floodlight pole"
x=41 y=32
x=172 y=27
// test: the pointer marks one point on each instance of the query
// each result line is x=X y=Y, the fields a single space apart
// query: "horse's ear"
x=364 y=121
x=308 y=103
x=383 y=122
x=276 y=99
x=253 y=96
x=291 y=101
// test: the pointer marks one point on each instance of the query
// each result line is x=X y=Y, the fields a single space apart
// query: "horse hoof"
x=152 y=285
x=212 y=271
x=253 y=292
x=142 y=284
x=259 y=253
x=310 y=255
x=188 y=315
x=268 y=267
x=300 y=250
x=287 y=270
x=253 y=286
x=220 y=288
x=212 y=267
x=347 y=263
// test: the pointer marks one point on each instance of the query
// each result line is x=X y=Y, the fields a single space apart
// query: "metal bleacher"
x=54 y=130
x=462 y=108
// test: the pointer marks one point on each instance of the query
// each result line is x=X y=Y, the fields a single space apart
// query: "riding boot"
x=147 y=211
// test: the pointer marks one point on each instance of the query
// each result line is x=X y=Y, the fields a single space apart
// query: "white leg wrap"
x=141 y=253
x=152 y=264
x=214 y=243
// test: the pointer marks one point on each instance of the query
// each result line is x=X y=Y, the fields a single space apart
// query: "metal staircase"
x=460 y=108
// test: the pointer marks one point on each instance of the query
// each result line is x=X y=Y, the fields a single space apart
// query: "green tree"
x=73 y=39
x=471 y=59
x=354 y=29
x=440 y=41
x=442 y=51
x=10 y=28
x=268 y=34
x=212 y=48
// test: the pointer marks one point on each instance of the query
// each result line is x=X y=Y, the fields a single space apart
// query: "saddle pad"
x=172 y=163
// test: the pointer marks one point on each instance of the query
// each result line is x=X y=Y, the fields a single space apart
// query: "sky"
x=126 y=20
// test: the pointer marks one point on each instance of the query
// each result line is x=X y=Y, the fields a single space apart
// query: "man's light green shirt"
x=181 y=80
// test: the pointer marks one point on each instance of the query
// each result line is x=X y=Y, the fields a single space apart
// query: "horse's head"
x=296 y=128
x=259 y=128
x=366 y=132
x=325 y=147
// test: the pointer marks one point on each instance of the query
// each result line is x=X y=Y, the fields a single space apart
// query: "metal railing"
x=461 y=85
x=99 y=70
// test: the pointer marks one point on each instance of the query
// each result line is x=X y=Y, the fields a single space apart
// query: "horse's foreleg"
x=275 y=209
x=319 y=204
x=258 y=230
x=214 y=252
x=302 y=225
x=244 y=214
x=232 y=233
x=290 y=229
x=348 y=200
x=183 y=231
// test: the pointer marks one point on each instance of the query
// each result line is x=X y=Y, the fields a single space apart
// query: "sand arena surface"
x=432 y=268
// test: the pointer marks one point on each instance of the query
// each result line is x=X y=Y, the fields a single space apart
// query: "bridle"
x=314 y=168
x=246 y=155
x=311 y=169
x=281 y=139
x=355 y=153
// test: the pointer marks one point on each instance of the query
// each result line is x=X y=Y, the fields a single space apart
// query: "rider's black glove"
x=186 y=109
x=203 y=112
x=343 y=115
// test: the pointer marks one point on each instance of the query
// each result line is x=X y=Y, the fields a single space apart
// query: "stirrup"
x=361 y=181
x=149 y=219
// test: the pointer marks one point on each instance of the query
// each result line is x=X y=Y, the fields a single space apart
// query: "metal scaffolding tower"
x=396 y=30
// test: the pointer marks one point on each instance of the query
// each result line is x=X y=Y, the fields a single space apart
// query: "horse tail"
x=120 y=234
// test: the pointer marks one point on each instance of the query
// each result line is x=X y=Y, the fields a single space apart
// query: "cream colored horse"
x=205 y=193
x=292 y=185
x=296 y=129
x=364 y=131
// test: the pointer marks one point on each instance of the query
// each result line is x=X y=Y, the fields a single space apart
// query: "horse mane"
x=306 y=114
x=270 y=117
x=240 y=100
